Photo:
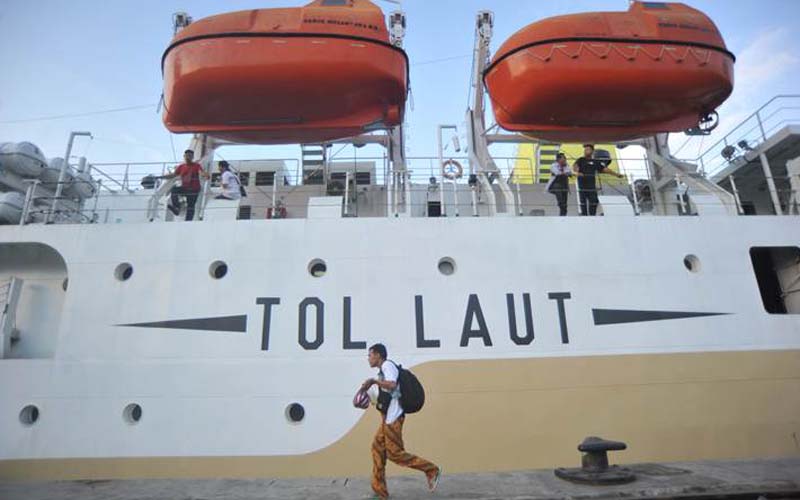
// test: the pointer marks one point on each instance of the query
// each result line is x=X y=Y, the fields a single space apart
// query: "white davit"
x=11 y=207
x=22 y=158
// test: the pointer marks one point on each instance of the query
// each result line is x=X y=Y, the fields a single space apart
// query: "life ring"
x=452 y=170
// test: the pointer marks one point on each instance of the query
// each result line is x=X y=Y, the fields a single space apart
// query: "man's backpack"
x=412 y=394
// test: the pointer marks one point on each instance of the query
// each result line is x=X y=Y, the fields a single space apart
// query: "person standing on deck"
x=587 y=169
x=190 y=173
x=388 y=442
x=559 y=182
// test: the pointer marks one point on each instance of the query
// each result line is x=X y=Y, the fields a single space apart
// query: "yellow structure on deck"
x=534 y=160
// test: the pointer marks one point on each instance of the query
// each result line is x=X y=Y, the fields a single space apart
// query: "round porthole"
x=692 y=263
x=123 y=272
x=218 y=269
x=29 y=415
x=295 y=413
x=447 y=266
x=317 y=268
x=132 y=413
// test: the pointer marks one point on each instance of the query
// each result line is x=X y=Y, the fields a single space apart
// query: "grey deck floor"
x=778 y=478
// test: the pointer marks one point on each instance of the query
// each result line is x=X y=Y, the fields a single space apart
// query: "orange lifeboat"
x=293 y=75
x=611 y=76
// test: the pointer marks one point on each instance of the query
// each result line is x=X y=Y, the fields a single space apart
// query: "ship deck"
x=773 y=478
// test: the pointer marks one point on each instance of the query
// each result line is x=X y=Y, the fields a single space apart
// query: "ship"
x=136 y=344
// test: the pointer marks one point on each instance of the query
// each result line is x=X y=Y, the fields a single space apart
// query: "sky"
x=60 y=57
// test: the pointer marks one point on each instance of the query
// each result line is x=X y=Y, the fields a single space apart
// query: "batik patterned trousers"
x=388 y=443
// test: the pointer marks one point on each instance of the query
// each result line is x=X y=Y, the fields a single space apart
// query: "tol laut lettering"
x=474 y=329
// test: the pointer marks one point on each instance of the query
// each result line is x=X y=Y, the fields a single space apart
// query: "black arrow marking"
x=618 y=316
x=220 y=324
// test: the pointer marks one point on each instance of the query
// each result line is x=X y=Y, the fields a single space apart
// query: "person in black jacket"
x=587 y=168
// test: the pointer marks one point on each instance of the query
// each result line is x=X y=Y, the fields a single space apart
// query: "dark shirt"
x=590 y=168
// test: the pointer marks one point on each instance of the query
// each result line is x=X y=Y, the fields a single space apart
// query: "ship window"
x=265 y=178
x=447 y=266
x=334 y=3
x=215 y=179
x=655 y=5
x=245 y=212
x=317 y=268
x=363 y=178
x=29 y=415
x=295 y=413
x=132 y=413
x=692 y=263
x=777 y=271
x=123 y=272
x=218 y=269
x=244 y=178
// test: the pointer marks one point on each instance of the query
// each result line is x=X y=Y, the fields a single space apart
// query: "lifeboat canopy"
x=291 y=75
x=611 y=76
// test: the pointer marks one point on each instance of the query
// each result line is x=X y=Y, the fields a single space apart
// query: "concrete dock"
x=740 y=479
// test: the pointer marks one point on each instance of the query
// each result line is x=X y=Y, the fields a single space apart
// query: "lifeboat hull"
x=549 y=83
x=307 y=83
x=23 y=158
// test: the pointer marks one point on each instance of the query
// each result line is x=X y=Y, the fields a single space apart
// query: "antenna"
x=180 y=20
x=397 y=28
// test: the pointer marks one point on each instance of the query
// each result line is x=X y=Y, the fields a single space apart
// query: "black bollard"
x=594 y=464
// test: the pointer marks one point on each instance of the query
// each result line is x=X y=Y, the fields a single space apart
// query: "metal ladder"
x=313 y=160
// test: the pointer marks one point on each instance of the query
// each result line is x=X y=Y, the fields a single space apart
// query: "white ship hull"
x=613 y=336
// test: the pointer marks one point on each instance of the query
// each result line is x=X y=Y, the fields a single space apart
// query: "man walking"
x=388 y=442
x=190 y=173
x=587 y=168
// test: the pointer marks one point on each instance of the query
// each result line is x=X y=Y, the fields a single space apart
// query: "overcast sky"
x=60 y=57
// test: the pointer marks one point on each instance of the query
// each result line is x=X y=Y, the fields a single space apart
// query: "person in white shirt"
x=388 y=442
x=559 y=182
x=230 y=183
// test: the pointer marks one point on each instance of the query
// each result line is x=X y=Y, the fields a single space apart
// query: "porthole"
x=218 y=269
x=317 y=268
x=29 y=415
x=692 y=263
x=447 y=266
x=65 y=284
x=123 y=272
x=132 y=413
x=295 y=413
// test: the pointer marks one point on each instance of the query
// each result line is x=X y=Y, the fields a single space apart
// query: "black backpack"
x=412 y=394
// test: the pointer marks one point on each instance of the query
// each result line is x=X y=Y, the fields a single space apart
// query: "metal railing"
x=780 y=111
x=525 y=176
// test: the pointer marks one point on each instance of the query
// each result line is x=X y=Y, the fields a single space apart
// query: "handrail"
x=754 y=114
x=103 y=174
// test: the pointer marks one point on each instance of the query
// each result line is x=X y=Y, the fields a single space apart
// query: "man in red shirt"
x=190 y=173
